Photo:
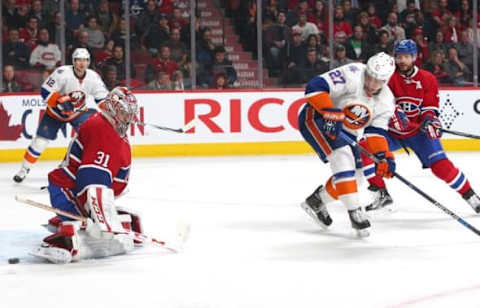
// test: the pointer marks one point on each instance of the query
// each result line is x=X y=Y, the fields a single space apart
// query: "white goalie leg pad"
x=100 y=204
x=91 y=247
x=135 y=218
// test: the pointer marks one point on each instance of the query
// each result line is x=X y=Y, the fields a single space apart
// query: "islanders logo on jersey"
x=410 y=105
x=357 y=116
x=77 y=98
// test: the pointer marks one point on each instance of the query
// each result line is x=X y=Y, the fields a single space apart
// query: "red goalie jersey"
x=96 y=156
x=417 y=95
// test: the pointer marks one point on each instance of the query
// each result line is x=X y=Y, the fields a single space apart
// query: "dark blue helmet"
x=406 y=46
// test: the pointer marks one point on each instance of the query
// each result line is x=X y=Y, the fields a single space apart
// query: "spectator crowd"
x=295 y=39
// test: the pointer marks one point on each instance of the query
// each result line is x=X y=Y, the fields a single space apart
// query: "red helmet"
x=121 y=107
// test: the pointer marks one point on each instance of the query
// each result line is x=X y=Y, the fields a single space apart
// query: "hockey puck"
x=13 y=261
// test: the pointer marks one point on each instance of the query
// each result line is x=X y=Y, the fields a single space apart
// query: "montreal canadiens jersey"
x=63 y=82
x=345 y=87
x=94 y=158
x=416 y=95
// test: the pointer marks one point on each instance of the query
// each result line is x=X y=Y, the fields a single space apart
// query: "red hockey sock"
x=445 y=170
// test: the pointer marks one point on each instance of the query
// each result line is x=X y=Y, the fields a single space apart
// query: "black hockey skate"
x=359 y=222
x=315 y=207
x=21 y=175
x=381 y=199
x=472 y=198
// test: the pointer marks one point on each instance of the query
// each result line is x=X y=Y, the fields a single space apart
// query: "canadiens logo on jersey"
x=410 y=105
x=357 y=116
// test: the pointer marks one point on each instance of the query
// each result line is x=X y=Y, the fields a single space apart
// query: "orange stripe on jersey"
x=377 y=143
x=52 y=100
x=320 y=100
x=331 y=189
x=28 y=157
x=347 y=187
x=316 y=133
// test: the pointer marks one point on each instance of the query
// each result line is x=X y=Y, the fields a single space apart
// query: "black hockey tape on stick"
x=454 y=132
x=182 y=130
x=409 y=184
x=183 y=230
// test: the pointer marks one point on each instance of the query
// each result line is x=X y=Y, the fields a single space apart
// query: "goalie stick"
x=415 y=188
x=183 y=229
x=182 y=130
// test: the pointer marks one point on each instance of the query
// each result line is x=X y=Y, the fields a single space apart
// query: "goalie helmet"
x=381 y=66
x=121 y=109
x=81 y=53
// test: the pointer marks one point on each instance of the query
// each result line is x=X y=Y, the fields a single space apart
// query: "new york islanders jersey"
x=96 y=156
x=63 y=81
x=345 y=87
x=417 y=95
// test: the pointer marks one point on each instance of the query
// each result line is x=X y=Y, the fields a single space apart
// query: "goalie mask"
x=121 y=109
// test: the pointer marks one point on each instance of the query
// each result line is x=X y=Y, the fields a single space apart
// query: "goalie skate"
x=52 y=254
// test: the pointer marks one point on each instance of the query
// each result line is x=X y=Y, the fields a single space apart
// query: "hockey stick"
x=182 y=229
x=415 y=188
x=184 y=129
x=454 y=132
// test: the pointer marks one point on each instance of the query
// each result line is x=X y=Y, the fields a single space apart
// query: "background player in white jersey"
x=354 y=99
x=64 y=92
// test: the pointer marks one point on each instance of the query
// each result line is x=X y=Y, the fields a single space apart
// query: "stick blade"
x=189 y=125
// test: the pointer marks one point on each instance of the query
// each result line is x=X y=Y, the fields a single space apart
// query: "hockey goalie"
x=94 y=171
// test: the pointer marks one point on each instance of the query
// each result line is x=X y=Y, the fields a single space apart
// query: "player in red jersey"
x=415 y=125
x=95 y=170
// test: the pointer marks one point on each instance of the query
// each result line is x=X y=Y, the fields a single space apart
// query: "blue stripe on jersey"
x=76 y=150
x=91 y=176
x=376 y=131
x=369 y=171
x=44 y=93
x=317 y=84
x=123 y=173
x=344 y=174
x=35 y=153
x=458 y=182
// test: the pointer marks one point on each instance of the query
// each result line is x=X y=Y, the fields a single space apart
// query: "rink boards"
x=233 y=122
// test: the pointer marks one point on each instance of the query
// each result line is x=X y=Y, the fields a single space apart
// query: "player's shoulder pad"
x=427 y=75
x=61 y=70
x=94 y=74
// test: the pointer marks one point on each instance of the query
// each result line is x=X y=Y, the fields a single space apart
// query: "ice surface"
x=251 y=245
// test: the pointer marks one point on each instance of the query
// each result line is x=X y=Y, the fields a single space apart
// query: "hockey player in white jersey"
x=64 y=92
x=354 y=99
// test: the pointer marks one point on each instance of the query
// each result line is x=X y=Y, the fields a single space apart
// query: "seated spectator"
x=350 y=12
x=178 y=83
x=423 y=53
x=340 y=25
x=277 y=49
x=161 y=63
x=118 y=60
x=219 y=82
x=165 y=7
x=295 y=56
x=8 y=13
x=313 y=42
x=438 y=67
x=384 y=43
x=54 y=28
x=439 y=43
x=161 y=82
x=464 y=14
x=459 y=73
x=158 y=34
x=373 y=17
x=411 y=9
x=37 y=11
x=82 y=42
x=205 y=48
x=120 y=34
x=369 y=30
x=29 y=34
x=22 y=14
x=312 y=66
x=177 y=21
x=178 y=49
x=441 y=13
x=96 y=39
x=304 y=27
x=46 y=55
x=146 y=19
x=357 y=47
x=9 y=82
x=465 y=49
x=74 y=17
x=220 y=65
x=318 y=16
x=340 y=56
x=106 y=19
x=106 y=53
x=110 y=77
x=396 y=32
x=15 y=52
x=451 y=31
